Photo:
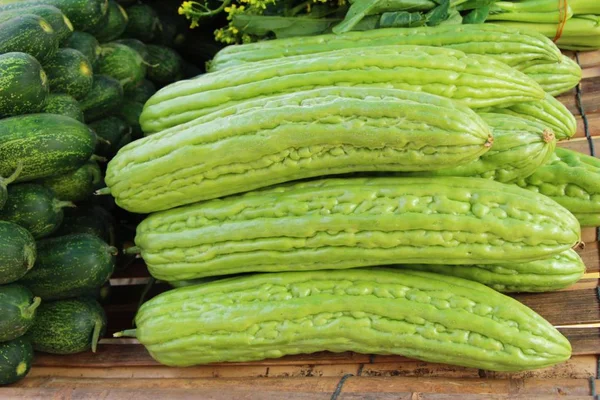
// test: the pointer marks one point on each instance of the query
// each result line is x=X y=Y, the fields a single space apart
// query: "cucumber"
x=70 y=266
x=136 y=45
x=16 y=358
x=4 y=182
x=35 y=208
x=142 y=92
x=16 y=36
x=130 y=112
x=113 y=25
x=86 y=44
x=18 y=252
x=91 y=219
x=165 y=65
x=68 y=326
x=63 y=104
x=101 y=294
x=45 y=144
x=111 y=129
x=104 y=98
x=70 y=72
x=23 y=84
x=52 y=16
x=75 y=185
x=143 y=22
x=18 y=307
x=83 y=14
x=122 y=63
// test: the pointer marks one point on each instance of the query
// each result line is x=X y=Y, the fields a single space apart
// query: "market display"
x=376 y=180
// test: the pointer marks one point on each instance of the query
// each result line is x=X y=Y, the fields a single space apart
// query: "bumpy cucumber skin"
x=556 y=78
x=520 y=147
x=514 y=47
x=29 y=34
x=354 y=222
x=142 y=92
x=53 y=16
x=66 y=326
x=111 y=129
x=91 y=219
x=70 y=72
x=34 y=207
x=553 y=273
x=75 y=185
x=113 y=25
x=16 y=357
x=24 y=84
x=306 y=134
x=477 y=81
x=46 y=144
x=17 y=311
x=138 y=46
x=86 y=44
x=165 y=64
x=122 y=63
x=104 y=98
x=421 y=315
x=572 y=179
x=18 y=252
x=63 y=104
x=70 y=266
x=143 y=22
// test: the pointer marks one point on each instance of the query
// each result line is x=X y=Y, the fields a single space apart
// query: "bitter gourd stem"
x=126 y=332
x=132 y=250
x=102 y=192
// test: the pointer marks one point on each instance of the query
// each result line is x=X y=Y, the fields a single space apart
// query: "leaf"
x=477 y=16
x=401 y=19
x=281 y=27
x=403 y=5
x=357 y=11
x=438 y=14
x=475 y=4
x=454 y=18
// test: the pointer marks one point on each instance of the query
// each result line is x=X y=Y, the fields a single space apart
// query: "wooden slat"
x=587 y=59
x=581 y=144
x=591 y=256
x=584 y=341
x=590 y=97
x=564 y=308
x=593 y=125
x=589 y=235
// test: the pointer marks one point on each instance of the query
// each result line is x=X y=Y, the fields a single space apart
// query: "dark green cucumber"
x=23 y=84
x=142 y=92
x=45 y=144
x=63 y=104
x=143 y=22
x=29 y=34
x=111 y=129
x=70 y=72
x=165 y=64
x=35 y=208
x=18 y=252
x=16 y=358
x=101 y=294
x=75 y=185
x=122 y=63
x=113 y=25
x=5 y=181
x=91 y=219
x=86 y=44
x=53 y=16
x=70 y=266
x=104 y=98
x=68 y=326
x=17 y=311
x=136 y=45
x=130 y=112
x=83 y=14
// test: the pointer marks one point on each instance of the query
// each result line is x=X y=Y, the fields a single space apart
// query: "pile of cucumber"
x=74 y=75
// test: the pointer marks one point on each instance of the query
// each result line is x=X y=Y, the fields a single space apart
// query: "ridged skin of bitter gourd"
x=549 y=112
x=512 y=46
x=555 y=78
x=354 y=222
x=478 y=81
x=426 y=316
x=520 y=147
x=552 y=273
x=300 y=135
x=572 y=179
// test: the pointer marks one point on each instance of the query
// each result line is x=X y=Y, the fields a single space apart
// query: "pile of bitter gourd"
x=372 y=192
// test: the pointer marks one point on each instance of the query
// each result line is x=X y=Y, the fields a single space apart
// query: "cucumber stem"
x=98 y=158
x=59 y=204
x=126 y=332
x=102 y=140
x=102 y=192
x=28 y=312
x=14 y=175
x=96 y=334
x=113 y=250
x=132 y=250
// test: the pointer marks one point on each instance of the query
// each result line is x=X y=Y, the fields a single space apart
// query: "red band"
x=563 y=7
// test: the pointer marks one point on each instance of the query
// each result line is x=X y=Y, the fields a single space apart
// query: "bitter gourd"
x=549 y=112
x=512 y=46
x=426 y=316
x=555 y=78
x=520 y=147
x=478 y=81
x=553 y=273
x=354 y=222
x=572 y=179
x=306 y=134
